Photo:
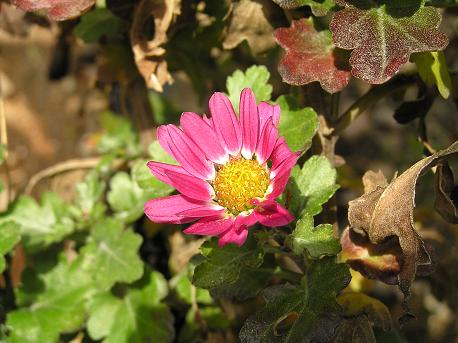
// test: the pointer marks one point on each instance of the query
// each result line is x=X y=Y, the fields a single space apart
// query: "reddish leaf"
x=310 y=56
x=56 y=9
x=383 y=38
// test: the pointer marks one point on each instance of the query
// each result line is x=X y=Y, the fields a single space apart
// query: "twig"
x=73 y=164
x=370 y=98
x=4 y=143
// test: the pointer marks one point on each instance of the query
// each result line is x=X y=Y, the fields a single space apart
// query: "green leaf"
x=143 y=177
x=88 y=198
x=222 y=265
x=54 y=302
x=118 y=137
x=319 y=8
x=297 y=125
x=311 y=186
x=113 y=252
x=137 y=317
x=291 y=314
x=256 y=78
x=317 y=241
x=126 y=198
x=164 y=109
x=157 y=153
x=42 y=225
x=98 y=23
x=9 y=236
x=249 y=283
x=433 y=70
x=184 y=289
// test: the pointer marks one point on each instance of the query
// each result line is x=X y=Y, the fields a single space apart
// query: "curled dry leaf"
x=149 y=53
x=446 y=193
x=56 y=9
x=247 y=22
x=386 y=211
x=382 y=38
x=310 y=56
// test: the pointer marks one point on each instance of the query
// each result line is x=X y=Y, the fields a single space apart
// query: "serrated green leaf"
x=256 y=78
x=318 y=241
x=55 y=303
x=98 y=23
x=88 y=198
x=319 y=8
x=222 y=265
x=126 y=198
x=118 y=136
x=311 y=186
x=297 y=125
x=183 y=288
x=42 y=225
x=113 y=252
x=137 y=317
x=292 y=313
x=9 y=237
x=433 y=70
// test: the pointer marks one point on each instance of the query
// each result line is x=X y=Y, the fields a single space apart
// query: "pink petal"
x=190 y=186
x=225 y=122
x=185 y=151
x=170 y=209
x=159 y=170
x=278 y=170
x=233 y=236
x=249 y=120
x=278 y=185
x=273 y=214
x=267 y=140
x=267 y=111
x=204 y=136
x=210 y=227
x=280 y=152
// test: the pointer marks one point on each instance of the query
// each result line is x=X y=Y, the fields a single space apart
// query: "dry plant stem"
x=369 y=99
x=73 y=164
x=4 y=143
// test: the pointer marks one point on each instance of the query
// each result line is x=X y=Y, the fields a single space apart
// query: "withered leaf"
x=388 y=211
x=56 y=9
x=310 y=56
x=446 y=193
x=149 y=52
x=247 y=22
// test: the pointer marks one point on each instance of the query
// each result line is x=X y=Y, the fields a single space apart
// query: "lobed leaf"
x=319 y=8
x=433 y=70
x=311 y=186
x=139 y=316
x=113 y=252
x=291 y=314
x=382 y=38
x=10 y=235
x=317 y=241
x=56 y=9
x=256 y=78
x=97 y=24
x=311 y=56
x=222 y=266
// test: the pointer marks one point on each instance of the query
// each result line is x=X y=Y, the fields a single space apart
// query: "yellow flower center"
x=238 y=182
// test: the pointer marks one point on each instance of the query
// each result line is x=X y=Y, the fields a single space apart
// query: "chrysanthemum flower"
x=231 y=170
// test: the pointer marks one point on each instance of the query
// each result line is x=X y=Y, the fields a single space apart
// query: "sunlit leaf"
x=9 y=236
x=319 y=7
x=382 y=38
x=56 y=9
x=311 y=56
x=433 y=70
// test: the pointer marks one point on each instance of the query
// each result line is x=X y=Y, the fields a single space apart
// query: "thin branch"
x=369 y=99
x=73 y=164
x=4 y=143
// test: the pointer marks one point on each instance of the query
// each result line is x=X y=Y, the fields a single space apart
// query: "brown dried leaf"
x=446 y=203
x=247 y=22
x=149 y=53
x=388 y=211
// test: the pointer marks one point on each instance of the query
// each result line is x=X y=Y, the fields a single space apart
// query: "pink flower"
x=231 y=170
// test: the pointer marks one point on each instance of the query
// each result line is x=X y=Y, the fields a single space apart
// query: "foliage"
x=86 y=264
